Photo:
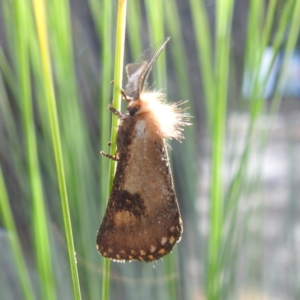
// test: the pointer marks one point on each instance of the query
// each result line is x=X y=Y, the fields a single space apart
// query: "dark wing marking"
x=139 y=71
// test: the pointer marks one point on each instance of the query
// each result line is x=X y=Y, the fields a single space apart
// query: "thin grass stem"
x=118 y=75
x=10 y=226
x=40 y=18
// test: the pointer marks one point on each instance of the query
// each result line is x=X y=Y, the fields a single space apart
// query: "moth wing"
x=142 y=220
x=134 y=74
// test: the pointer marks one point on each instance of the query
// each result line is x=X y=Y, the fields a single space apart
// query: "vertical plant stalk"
x=41 y=25
x=9 y=224
x=155 y=22
x=223 y=17
x=119 y=57
x=204 y=45
x=236 y=184
x=107 y=56
x=39 y=220
x=134 y=28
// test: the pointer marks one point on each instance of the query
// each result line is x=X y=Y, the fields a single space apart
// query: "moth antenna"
x=151 y=54
x=139 y=71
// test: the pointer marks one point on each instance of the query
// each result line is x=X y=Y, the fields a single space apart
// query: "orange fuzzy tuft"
x=162 y=120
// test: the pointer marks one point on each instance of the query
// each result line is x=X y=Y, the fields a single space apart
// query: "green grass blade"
x=224 y=14
x=77 y=145
x=178 y=53
x=40 y=231
x=105 y=95
x=204 y=45
x=104 y=30
x=40 y=18
x=134 y=29
x=7 y=71
x=238 y=179
x=9 y=224
x=118 y=75
x=290 y=22
x=155 y=22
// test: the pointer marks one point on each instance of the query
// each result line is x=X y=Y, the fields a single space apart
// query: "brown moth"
x=142 y=219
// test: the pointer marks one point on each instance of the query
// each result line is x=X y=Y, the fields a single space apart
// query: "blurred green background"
x=236 y=173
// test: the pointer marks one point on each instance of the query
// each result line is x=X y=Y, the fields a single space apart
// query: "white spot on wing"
x=152 y=248
x=163 y=240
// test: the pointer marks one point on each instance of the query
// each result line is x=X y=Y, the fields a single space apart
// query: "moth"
x=142 y=219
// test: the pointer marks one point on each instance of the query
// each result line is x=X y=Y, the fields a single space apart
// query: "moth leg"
x=123 y=93
x=126 y=98
x=115 y=111
x=113 y=157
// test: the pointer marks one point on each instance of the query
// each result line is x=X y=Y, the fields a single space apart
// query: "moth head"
x=134 y=107
x=162 y=120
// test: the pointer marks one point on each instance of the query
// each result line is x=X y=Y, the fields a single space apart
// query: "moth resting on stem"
x=142 y=219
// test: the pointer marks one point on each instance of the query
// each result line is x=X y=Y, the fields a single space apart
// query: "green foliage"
x=54 y=185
